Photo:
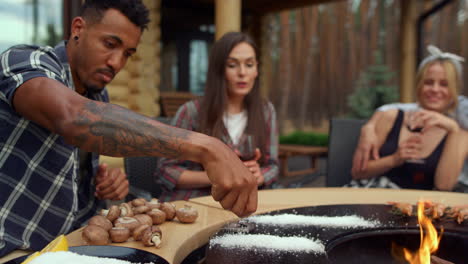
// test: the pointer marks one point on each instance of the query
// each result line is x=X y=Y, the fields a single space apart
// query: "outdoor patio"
x=320 y=62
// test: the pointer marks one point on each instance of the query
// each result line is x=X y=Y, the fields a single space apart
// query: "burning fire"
x=429 y=241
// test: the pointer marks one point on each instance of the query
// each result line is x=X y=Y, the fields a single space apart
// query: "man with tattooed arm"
x=55 y=120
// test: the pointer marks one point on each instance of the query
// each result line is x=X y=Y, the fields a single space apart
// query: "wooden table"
x=286 y=151
x=179 y=240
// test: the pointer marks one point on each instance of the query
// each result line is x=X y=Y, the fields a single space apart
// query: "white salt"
x=307 y=220
x=73 y=258
x=269 y=242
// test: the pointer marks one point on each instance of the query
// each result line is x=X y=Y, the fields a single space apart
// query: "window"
x=30 y=22
x=198 y=66
x=187 y=33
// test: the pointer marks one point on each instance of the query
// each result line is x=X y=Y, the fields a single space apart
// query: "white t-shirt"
x=235 y=125
x=461 y=115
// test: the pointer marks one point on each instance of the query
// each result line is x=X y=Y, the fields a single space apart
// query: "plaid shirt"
x=42 y=194
x=170 y=170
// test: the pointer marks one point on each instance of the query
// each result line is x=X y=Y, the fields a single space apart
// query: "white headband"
x=437 y=54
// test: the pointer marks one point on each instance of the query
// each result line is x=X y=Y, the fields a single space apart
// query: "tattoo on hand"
x=114 y=130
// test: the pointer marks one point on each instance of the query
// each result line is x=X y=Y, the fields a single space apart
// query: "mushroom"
x=101 y=221
x=141 y=209
x=128 y=222
x=125 y=210
x=152 y=237
x=119 y=234
x=169 y=209
x=157 y=216
x=138 y=202
x=144 y=219
x=138 y=232
x=187 y=214
x=153 y=204
x=112 y=213
x=95 y=235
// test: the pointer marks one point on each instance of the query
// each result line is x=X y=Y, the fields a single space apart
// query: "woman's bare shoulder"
x=385 y=122
x=388 y=117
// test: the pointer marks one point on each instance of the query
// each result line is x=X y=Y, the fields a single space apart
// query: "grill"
x=343 y=245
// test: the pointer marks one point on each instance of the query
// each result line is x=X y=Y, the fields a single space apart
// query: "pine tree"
x=374 y=88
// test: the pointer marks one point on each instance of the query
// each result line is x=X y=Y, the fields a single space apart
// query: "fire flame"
x=429 y=241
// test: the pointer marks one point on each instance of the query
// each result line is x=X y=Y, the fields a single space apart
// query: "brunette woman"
x=232 y=110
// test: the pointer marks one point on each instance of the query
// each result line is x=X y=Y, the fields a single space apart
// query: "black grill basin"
x=343 y=245
x=375 y=247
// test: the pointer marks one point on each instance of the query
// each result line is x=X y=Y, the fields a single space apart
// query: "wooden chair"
x=344 y=136
x=171 y=101
x=288 y=151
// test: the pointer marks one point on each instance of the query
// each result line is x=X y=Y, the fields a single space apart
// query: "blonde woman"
x=440 y=148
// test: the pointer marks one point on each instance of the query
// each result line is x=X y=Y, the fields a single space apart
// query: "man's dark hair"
x=134 y=10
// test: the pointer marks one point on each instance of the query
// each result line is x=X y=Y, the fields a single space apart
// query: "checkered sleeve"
x=270 y=168
x=24 y=62
x=169 y=170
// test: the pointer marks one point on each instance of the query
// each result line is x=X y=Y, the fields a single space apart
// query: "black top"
x=411 y=175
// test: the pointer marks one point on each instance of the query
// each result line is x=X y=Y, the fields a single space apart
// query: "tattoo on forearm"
x=114 y=130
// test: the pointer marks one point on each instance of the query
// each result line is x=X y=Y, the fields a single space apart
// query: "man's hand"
x=367 y=148
x=254 y=167
x=111 y=183
x=233 y=185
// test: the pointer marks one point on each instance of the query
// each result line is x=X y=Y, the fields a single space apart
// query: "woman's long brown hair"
x=214 y=102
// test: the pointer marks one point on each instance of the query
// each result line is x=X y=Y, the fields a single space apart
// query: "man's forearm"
x=115 y=131
x=106 y=128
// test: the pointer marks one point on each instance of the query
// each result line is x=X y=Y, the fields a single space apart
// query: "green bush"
x=305 y=138
x=375 y=87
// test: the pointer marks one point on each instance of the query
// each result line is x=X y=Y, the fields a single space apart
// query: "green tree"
x=52 y=37
x=373 y=88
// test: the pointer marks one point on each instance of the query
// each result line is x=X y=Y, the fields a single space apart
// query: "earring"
x=76 y=38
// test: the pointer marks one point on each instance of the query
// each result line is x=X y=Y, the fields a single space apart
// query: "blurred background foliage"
x=342 y=59
x=305 y=138
x=374 y=88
